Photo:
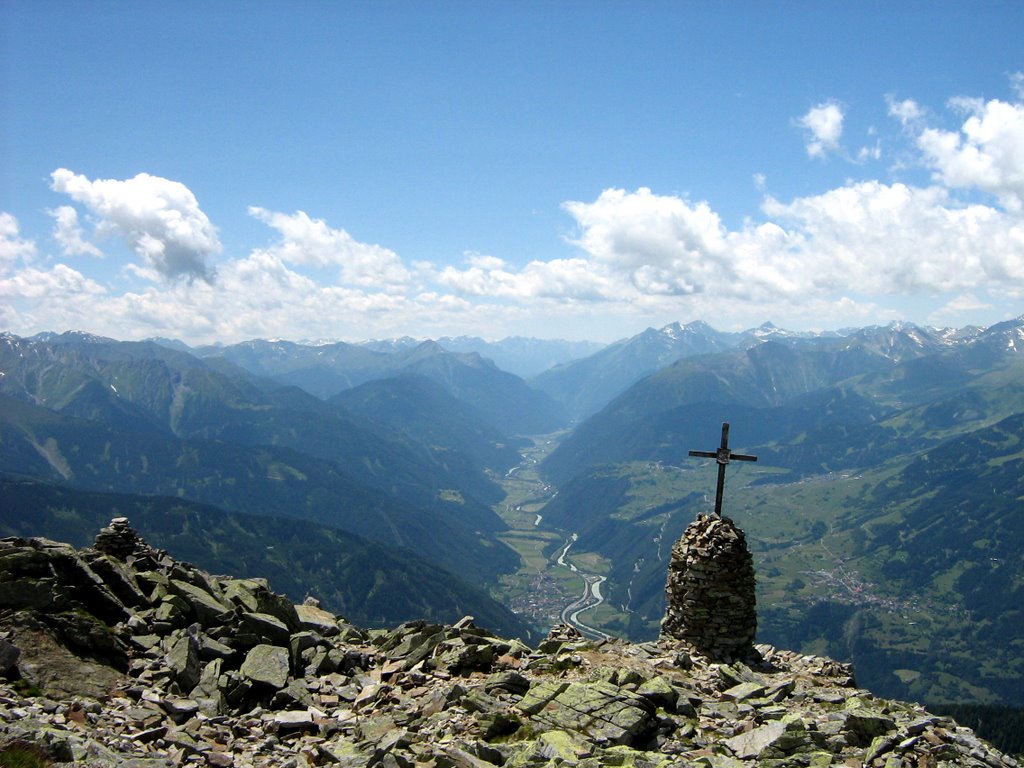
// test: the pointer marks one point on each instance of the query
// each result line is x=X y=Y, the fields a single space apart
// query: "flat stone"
x=292 y=720
x=605 y=714
x=750 y=745
x=208 y=610
x=267 y=627
x=266 y=664
x=317 y=620
x=743 y=691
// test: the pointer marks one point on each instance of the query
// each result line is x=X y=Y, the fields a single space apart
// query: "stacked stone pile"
x=121 y=541
x=219 y=671
x=712 y=607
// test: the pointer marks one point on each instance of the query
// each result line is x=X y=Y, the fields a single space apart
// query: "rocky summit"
x=120 y=655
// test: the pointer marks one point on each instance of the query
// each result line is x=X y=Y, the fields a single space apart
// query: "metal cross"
x=723 y=456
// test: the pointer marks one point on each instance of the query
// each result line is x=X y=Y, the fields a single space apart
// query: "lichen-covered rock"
x=420 y=694
x=605 y=713
x=318 y=620
x=207 y=609
x=266 y=664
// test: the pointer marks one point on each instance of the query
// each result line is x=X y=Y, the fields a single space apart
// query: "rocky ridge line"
x=120 y=655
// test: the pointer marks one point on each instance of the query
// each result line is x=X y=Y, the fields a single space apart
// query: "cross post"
x=723 y=456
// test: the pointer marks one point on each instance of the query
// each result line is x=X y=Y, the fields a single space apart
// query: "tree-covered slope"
x=261 y=480
x=370 y=584
x=144 y=386
x=415 y=406
x=504 y=400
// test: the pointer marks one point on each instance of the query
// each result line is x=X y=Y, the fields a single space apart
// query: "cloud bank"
x=843 y=256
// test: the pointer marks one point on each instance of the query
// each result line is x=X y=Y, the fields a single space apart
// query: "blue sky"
x=559 y=169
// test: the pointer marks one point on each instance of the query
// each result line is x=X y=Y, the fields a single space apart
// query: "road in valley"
x=533 y=495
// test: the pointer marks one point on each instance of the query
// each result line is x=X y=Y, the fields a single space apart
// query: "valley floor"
x=554 y=583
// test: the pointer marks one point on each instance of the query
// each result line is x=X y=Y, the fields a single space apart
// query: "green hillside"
x=369 y=584
x=884 y=513
x=259 y=480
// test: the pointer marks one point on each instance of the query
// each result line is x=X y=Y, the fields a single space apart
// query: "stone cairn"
x=121 y=541
x=712 y=607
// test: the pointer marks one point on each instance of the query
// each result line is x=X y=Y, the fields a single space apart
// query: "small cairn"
x=121 y=541
x=712 y=606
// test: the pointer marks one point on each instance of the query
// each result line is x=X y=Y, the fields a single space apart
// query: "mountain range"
x=882 y=509
x=99 y=415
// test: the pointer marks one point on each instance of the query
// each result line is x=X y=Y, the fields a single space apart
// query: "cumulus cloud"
x=13 y=248
x=824 y=125
x=311 y=242
x=60 y=281
x=965 y=302
x=159 y=219
x=561 y=279
x=661 y=244
x=646 y=250
x=894 y=239
x=68 y=233
x=987 y=153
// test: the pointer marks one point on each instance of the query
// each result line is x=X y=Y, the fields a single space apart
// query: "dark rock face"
x=222 y=672
x=712 y=606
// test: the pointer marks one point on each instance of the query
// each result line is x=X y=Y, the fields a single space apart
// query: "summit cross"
x=723 y=456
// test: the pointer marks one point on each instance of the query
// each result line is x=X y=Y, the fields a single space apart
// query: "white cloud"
x=640 y=249
x=311 y=242
x=892 y=239
x=12 y=247
x=1017 y=83
x=158 y=218
x=986 y=154
x=561 y=279
x=68 y=233
x=661 y=244
x=824 y=123
x=965 y=302
x=906 y=111
x=58 y=282
x=861 y=252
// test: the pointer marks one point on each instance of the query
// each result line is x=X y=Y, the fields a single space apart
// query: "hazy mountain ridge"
x=584 y=386
x=415 y=405
x=588 y=385
x=523 y=356
x=904 y=359
x=325 y=370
